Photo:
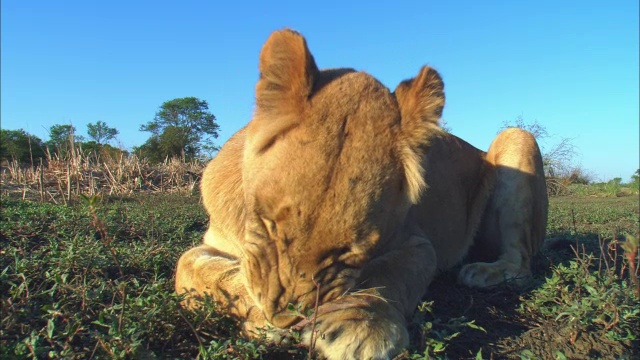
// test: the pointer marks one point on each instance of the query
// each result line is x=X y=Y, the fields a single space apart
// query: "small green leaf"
x=591 y=290
x=473 y=325
x=50 y=328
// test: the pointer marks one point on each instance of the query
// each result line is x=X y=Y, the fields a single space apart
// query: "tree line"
x=182 y=127
x=185 y=128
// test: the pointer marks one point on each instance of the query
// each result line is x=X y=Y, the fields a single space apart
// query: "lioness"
x=341 y=190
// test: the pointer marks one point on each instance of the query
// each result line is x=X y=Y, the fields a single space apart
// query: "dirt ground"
x=510 y=335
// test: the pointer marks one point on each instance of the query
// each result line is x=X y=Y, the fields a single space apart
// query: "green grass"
x=64 y=294
x=76 y=289
x=611 y=188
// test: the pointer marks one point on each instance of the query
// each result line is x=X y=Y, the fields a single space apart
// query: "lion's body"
x=340 y=189
x=492 y=203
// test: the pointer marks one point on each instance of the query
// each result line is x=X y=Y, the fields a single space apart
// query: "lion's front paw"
x=372 y=332
x=482 y=274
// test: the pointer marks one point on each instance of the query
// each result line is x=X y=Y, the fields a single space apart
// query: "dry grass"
x=63 y=179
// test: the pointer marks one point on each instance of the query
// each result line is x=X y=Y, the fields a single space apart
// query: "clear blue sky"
x=570 y=65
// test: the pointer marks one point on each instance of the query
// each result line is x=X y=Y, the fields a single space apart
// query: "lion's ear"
x=421 y=101
x=287 y=74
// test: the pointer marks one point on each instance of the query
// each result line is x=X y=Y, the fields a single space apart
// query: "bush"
x=20 y=146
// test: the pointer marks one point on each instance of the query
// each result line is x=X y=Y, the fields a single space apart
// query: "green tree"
x=62 y=135
x=182 y=127
x=101 y=133
x=635 y=181
x=613 y=186
x=150 y=150
x=21 y=146
x=635 y=178
x=102 y=152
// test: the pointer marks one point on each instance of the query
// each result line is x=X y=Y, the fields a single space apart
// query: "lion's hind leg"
x=514 y=221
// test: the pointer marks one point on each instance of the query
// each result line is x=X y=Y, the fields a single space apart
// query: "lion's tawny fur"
x=337 y=181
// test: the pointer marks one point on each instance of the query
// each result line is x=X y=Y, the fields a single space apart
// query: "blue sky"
x=570 y=65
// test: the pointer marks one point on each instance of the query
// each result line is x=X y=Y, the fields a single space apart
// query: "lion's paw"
x=359 y=333
x=483 y=274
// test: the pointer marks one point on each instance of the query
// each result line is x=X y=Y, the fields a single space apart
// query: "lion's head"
x=332 y=163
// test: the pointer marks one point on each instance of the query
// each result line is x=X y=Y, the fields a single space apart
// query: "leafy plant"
x=436 y=335
x=64 y=294
x=613 y=186
x=589 y=297
x=635 y=182
x=21 y=146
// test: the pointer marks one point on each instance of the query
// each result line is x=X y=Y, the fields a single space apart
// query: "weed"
x=63 y=270
x=590 y=295
x=436 y=335
x=630 y=248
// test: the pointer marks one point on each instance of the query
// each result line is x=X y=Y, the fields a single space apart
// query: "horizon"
x=573 y=68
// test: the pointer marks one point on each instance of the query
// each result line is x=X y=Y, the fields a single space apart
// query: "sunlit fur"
x=341 y=189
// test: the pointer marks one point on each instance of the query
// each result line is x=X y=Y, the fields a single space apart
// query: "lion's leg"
x=204 y=270
x=513 y=226
x=371 y=323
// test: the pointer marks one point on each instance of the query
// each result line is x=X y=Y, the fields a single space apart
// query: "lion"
x=342 y=196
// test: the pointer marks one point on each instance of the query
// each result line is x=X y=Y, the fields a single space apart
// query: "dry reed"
x=63 y=179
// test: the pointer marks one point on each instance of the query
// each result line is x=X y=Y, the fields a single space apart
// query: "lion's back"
x=222 y=193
